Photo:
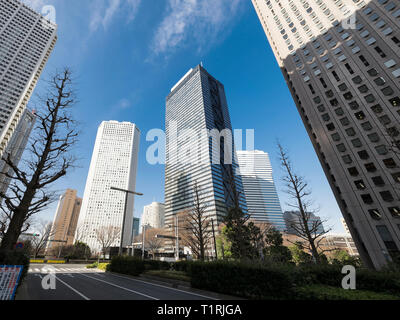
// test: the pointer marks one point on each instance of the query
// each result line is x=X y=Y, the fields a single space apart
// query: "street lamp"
x=127 y=192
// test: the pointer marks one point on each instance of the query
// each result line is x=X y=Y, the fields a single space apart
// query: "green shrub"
x=385 y=282
x=156 y=265
x=102 y=266
x=242 y=280
x=93 y=265
x=16 y=258
x=331 y=275
x=169 y=274
x=320 y=292
x=184 y=266
x=126 y=265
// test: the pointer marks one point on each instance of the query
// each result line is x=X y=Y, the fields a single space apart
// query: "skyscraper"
x=196 y=114
x=341 y=62
x=259 y=188
x=293 y=220
x=113 y=164
x=16 y=147
x=65 y=220
x=154 y=215
x=26 y=41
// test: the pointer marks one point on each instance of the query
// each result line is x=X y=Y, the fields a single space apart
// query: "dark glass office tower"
x=195 y=108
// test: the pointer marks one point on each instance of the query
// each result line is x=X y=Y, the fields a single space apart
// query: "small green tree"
x=223 y=244
x=342 y=257
x=274 y=249
x=239 y=234
x=298 y=254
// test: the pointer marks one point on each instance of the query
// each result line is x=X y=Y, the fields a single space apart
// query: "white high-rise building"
x=259 y=188
x=26 y=41
x=341 y=62
x=114 y=164
x=154 y=215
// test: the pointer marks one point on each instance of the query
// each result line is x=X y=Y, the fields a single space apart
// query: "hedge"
x=126 y=265
x=285 y=281
x=156 y=265
x=242 y=280
x=319 y=292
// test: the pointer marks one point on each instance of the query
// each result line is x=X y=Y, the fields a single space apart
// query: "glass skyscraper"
x=195 y=108
x=259 y=188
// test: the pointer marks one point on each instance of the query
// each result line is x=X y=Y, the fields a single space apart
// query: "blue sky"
x=127 y=54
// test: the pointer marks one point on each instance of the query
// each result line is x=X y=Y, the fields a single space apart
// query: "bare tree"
x=49 y=159
x=152 y=243
x=307 y=228
x=46 y=231
x=197 y=231
x=106 y=236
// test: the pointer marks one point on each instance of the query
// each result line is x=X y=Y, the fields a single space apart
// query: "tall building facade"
x=259 y=188
x=135 y=228
x=341 y=61
x=154 y=215
x=196 y=107
x=16 y=147
x=113 y=164
x=65 y=220
x=293 y=221
x=26 y=41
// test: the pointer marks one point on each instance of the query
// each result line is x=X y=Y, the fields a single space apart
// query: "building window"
x=394 y=211
x=375 y=214
x=378 y=181
x=354 y=172
x=341 y=147
x=356 y=143
x=390 y=163
x=382 y=150
x=396 y=177
x=363 y=155
x=388 y=240
x=366 y=126
x=395 y=102
x=360 y=184
x=370 y=167
x=360 y=115
x=367 y=199
x=373 y=137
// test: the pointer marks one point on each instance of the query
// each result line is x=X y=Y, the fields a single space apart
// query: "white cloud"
x=36 y=4
x=104 y=12
x=200 y=20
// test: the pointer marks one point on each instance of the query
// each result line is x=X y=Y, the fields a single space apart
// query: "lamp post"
x=127 y=192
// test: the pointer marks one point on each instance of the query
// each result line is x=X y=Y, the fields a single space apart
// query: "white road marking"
x=76 y=291
x=159 y=285
x=117 y=286
x=37 y=270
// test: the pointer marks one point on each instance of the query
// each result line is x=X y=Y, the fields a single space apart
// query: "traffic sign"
x=9 y=278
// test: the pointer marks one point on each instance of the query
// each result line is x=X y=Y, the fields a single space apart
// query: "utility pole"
x=143 y=239
x=125 y=207
x=215 y=243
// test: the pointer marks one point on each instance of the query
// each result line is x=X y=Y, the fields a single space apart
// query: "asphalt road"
x=75 y=282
